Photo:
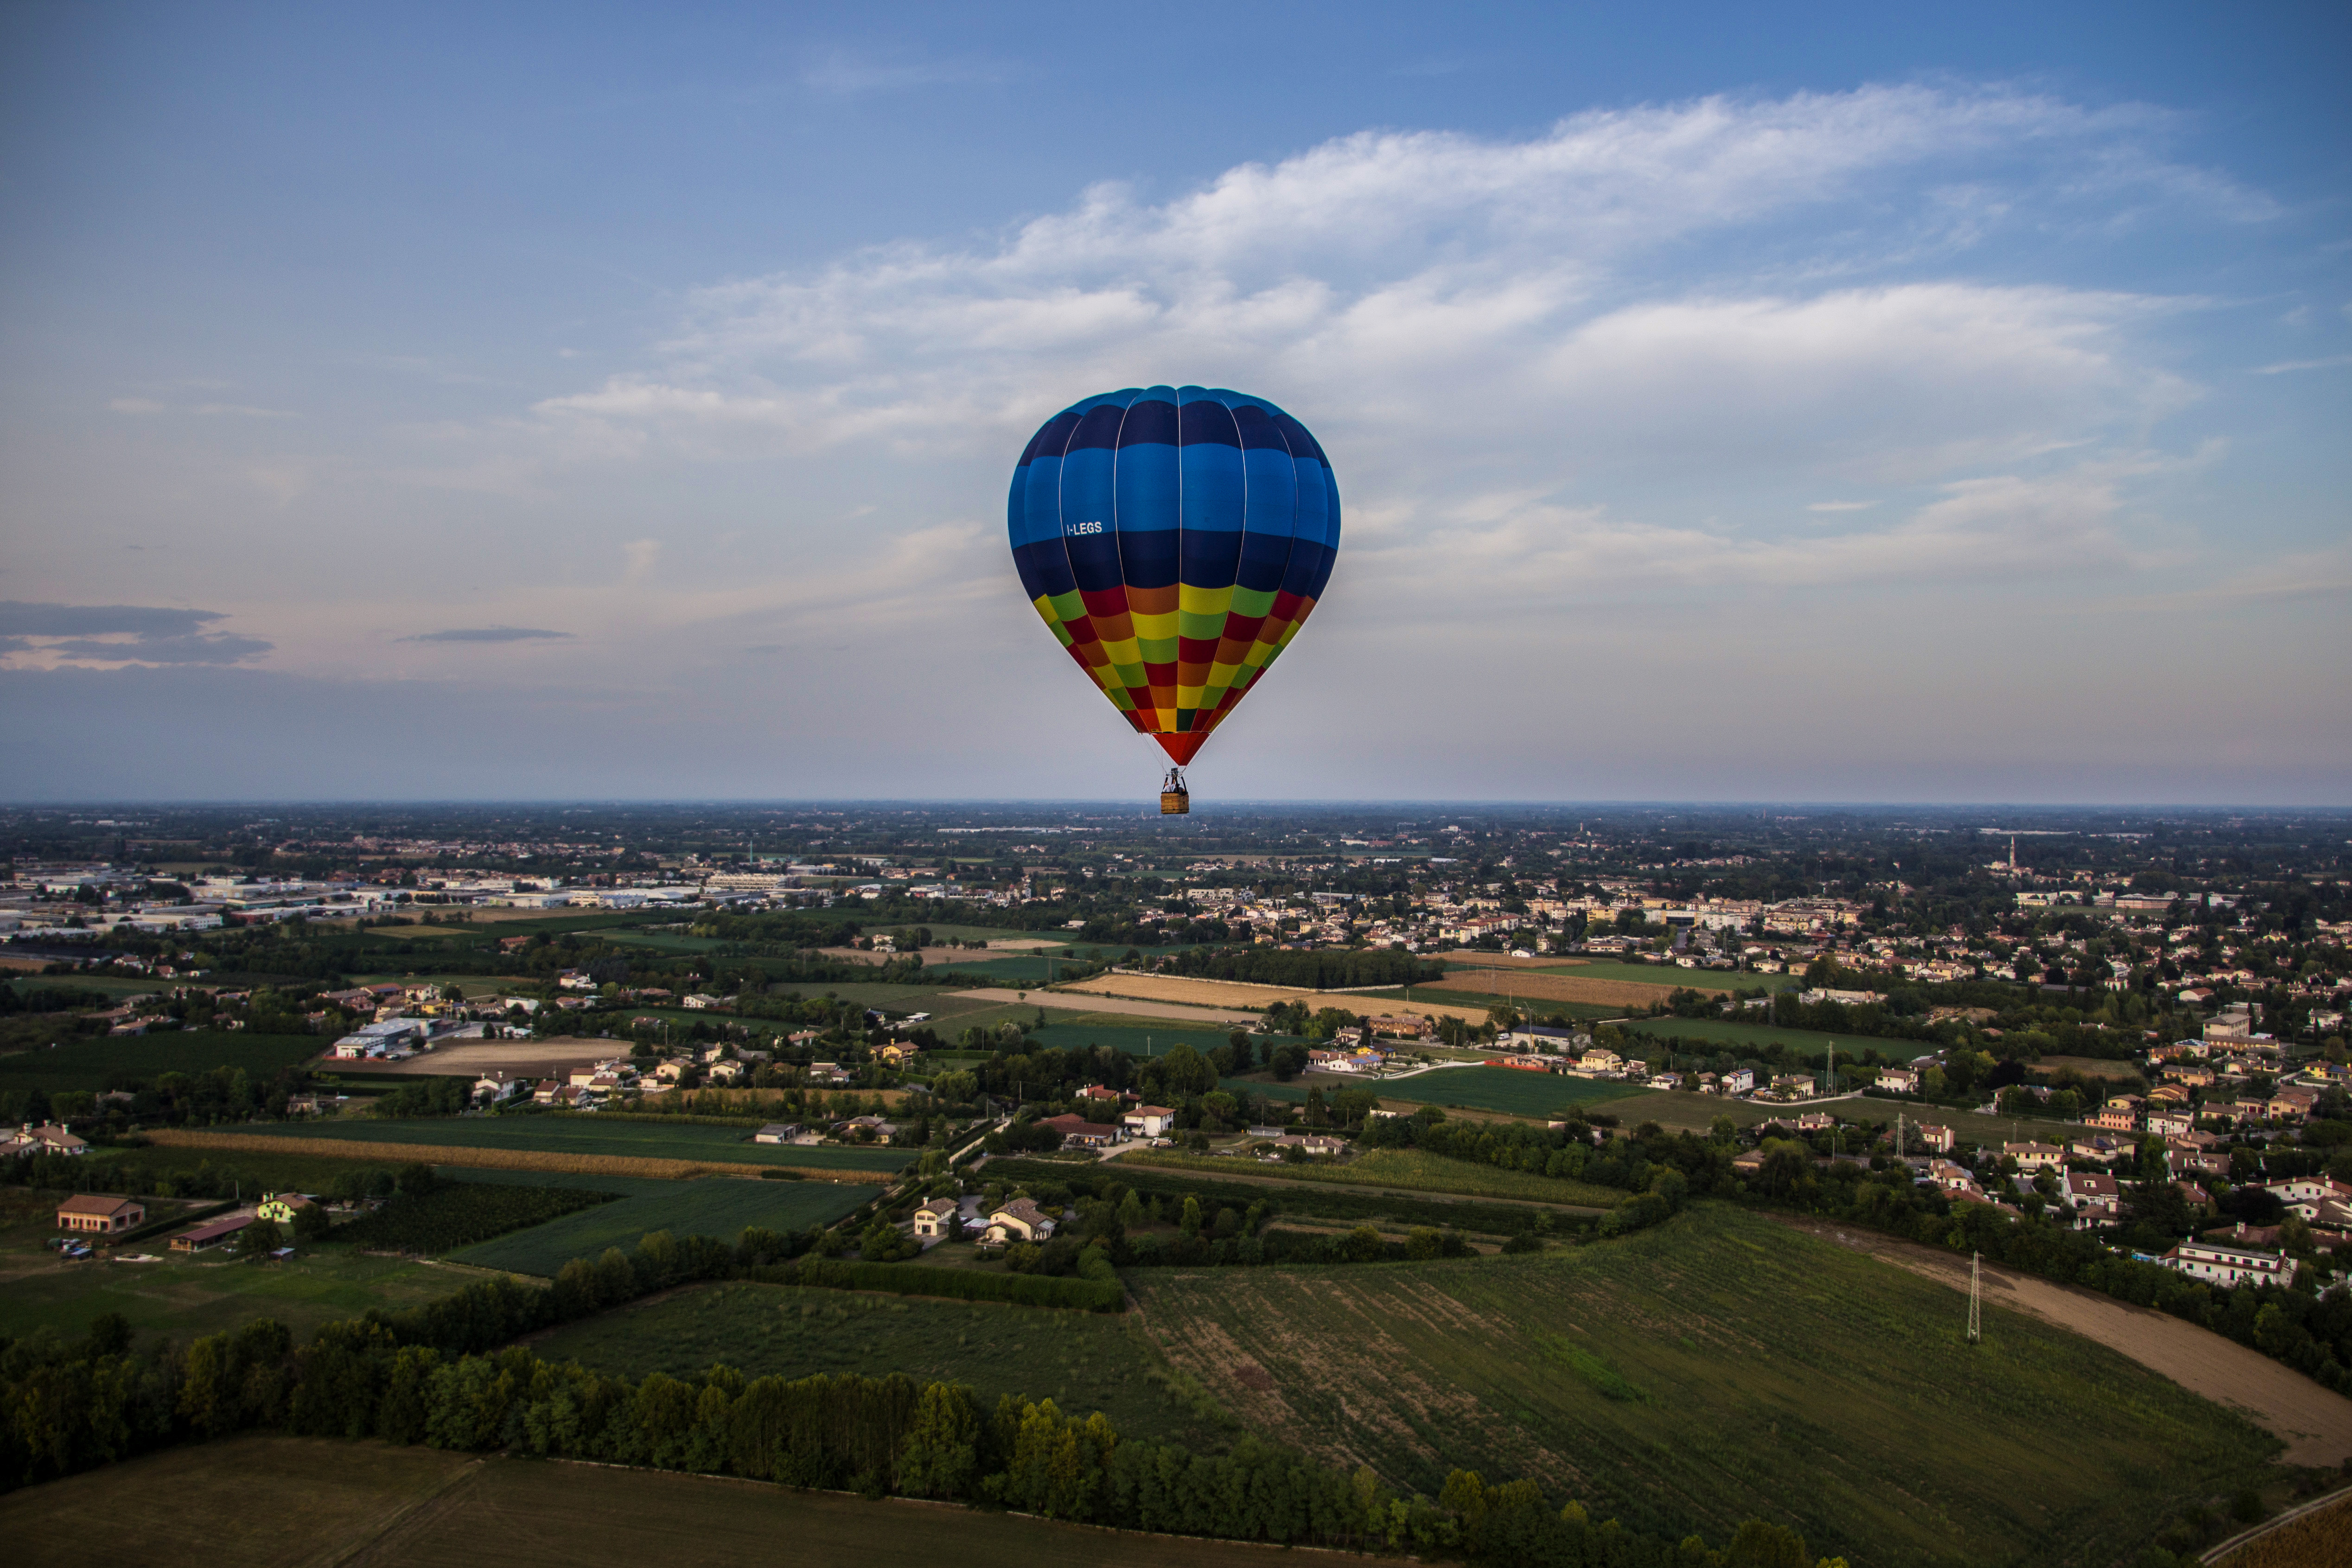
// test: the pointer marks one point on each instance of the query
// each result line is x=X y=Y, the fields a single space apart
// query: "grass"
x=186 y=1298
x=486 y=1176
x=300 y=1501
x=588 y=1135
x=27 y=985
x=1531 y=1007
x=460 y=1214
x=1135 y=1038
x=1513 y=1091
x=257 y=1170
x=715 y=1206
x=96 y=1063
x=1083 y=1361
x=1715 y=1368
x=1405 y=1168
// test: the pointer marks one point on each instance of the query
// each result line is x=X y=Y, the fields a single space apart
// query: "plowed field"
x=1561 y=988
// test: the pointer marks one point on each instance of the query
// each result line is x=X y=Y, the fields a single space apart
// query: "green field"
x=594 y=1136
x=1134 y=1037
x=1532 y=1006
x=1409 y=1169
x=28 y=985
x=711 y=1205
x=1082 y=1360
x=492 y=1175
x=1513 y=1091
x=94 y=1064
x=253 y=1170
x=1716 y=1367
x=315 y=1500
x=1741 y=1037
x=1666 y=974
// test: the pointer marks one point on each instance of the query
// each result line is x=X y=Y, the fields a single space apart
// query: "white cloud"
x=2332 y=363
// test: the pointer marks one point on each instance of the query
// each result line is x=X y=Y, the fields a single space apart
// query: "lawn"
x=711 y=1205
x=1084 y=1361
x=302 y=1501
x=94 y=1064
x=1715 y=1368
x=662 y=1139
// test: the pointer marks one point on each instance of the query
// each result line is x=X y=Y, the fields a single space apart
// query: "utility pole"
x=1976 y=1331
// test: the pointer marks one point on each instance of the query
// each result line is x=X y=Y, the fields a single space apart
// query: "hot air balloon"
x=1174 y=539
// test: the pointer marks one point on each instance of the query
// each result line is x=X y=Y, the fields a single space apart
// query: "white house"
x=1149 y=1121
x=1020 y=1220
x=2230 y=1265
x=937 y=1218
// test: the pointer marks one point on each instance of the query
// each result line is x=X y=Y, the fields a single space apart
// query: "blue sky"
x=1727 y=403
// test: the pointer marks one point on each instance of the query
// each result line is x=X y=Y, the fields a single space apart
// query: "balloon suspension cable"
x=1175 y=800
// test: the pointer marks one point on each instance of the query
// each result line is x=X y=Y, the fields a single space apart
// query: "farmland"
x=1711 y=1369
x=94 y=1064
x=1534 y=990
x=462 y=1213
x=712 y=1206
x=1406 y=1168
x=303 y=1501
x=1238 y=1184
x=1736 y=1037
x=590 y=1135
x=254 y=1168
x=1082 y=1360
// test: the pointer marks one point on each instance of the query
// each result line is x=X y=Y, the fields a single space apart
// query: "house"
x=2099 y=1150
x=48 y=1138
x=829 y=1075
x=1400 y=1027
x=725 y=1072
x=2033 y=1157
x=2120 y=1114
x=703 y=1000
x=2229 y=1266
x=210 y=1234
x=1020 y=1220
x=1951 y=1177
x=577 y=980
x=2095 y=1199
x=1600 y=1059
x=2171 y=1123
x=937 y=1218
x=1936 y=1137
x=2305 y=1195
x=1149 y=1121
x=1739 y=1080
x=1314 y=1143
x=777 y=1132
x=1078 y=1132
x=862 y=1129
x=498 y=1086
x=1542 y=1038
x=282 y=1208
x=103 y=1215
x=1899 y=1080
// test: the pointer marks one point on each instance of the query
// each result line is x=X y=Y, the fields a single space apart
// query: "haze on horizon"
x=598 y=404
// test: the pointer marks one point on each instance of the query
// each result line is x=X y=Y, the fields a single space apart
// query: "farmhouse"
x=103 y=1215
x=1899 y=1080
x=1020 y=1220
x=937 y=1218
x=48 y=1138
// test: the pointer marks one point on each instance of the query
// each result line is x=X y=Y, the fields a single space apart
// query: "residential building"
x=2034 y=1156
x=105 y=1215
x=48 y=1138
x=1149 y=1121
x=2229 y=1266
x=283 y=1208
x=2095 y=1199
x=1078 y=1132
x=1935 y=1136
x=1899 y=1080
x=1020 y=1220
x=937 y=1219
x=777 y=1132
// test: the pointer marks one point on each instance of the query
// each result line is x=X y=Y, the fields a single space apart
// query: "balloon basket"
x=1175 y=800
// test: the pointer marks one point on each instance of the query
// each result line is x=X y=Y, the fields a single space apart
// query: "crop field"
x=251 y=1169
x=1082 y=1360
x=1023 y=967
x=30 y=985
x=484 y=1175
x=461 y=1213
x=1482 y=1002
x=93 y=1064
x=1239 y=997
x=1406 y=1168
x=589 y=1135
x=711 y=1205
x=1136 y=1037
x=303 y=1501
x=189 y=1297
x=1711 y=1369
x=1237 y=1184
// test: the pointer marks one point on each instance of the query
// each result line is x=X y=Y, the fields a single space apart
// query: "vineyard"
x=716 y=1206
x=1716 y=1367
x=1328 y=1201
x=460 y=1214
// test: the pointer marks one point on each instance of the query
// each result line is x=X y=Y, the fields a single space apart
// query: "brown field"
x=290 y=1503
x=2316 y=1423
x=475 y=1057
x=497 y=1159
x=1230 y=994
x=1559 y=987
x=2321 y=1538
x=1005 y=995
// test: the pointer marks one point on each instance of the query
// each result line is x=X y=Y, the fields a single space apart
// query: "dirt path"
x=2315 y=1424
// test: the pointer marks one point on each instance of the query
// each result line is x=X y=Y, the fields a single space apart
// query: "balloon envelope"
x=1174 y=539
